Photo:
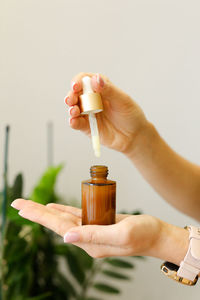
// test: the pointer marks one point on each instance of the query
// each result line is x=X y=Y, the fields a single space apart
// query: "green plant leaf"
x=91 y=298
x=103 y=287
x=66 y=284
x=117 y=262
x=85 y=260
x=17 y=189
x=138 y=257
x=13 y=215
x=44 y=191
x=74 y=265
x=13 y=193
x=61 y=249
x=136 y=212
x=115 y=275
x=40 y=297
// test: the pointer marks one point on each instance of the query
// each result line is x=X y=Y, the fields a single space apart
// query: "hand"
x=131 y=235
x=121 y=120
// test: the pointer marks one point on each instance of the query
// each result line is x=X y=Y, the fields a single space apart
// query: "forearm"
x=173 y=177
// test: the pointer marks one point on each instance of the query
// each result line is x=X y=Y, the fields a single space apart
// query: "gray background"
x=150 y=49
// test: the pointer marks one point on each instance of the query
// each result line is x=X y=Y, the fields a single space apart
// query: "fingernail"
x=69 y=110
x=20 y=213
x=66 y=99
x=100 y=80
x=70 y=121
x=75 y=87
x=13 y=204
x=71 y=237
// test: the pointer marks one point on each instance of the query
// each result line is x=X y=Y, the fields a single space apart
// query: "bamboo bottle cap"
x=89 y=101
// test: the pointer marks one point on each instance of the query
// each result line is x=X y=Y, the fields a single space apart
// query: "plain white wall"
x=148 y=48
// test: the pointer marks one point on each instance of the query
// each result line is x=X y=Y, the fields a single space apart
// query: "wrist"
x=172 y=244
x=142 y=142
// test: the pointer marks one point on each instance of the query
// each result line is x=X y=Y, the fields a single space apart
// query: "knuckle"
x=91 y=237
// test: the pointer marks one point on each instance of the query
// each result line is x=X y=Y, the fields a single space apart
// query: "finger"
x=71 y=99
x=93 y=234
x=101 y=83
x=78 y=212
x=80 y=123
x=76 y=87
x=97 y=83
x=19 y=203
x=76 y=83
x=74 y=111
x=35 y=212
x=68 y=209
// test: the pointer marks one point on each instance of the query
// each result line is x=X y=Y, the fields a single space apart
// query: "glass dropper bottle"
x=98 y=198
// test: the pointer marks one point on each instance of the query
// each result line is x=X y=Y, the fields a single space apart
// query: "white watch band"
x=190 y=266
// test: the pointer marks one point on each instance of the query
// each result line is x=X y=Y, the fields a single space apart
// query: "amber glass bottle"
x=98 y=198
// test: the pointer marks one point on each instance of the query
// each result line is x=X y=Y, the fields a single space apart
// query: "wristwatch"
x=189 y=268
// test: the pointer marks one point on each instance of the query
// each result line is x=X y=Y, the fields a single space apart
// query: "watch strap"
x=194 y=238
x=190 y=266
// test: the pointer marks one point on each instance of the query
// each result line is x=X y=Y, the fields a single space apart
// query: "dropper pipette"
x=94 y=134
x=91 y=104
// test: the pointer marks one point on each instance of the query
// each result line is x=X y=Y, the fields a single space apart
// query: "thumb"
x=92 y=234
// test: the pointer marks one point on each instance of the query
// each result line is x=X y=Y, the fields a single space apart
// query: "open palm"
x=131 y=235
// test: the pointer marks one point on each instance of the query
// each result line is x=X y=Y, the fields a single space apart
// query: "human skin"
x=124 y=127
x=131 y=235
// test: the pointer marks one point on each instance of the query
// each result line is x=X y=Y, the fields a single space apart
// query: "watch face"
x=170 y=270
x=171 y=266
